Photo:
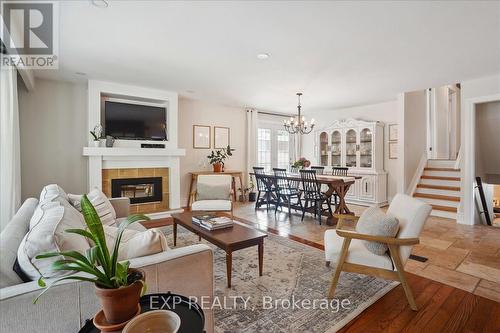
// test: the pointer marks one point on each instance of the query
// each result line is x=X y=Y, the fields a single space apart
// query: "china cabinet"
x=358 y=145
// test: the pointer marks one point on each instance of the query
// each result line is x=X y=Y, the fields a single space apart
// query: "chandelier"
x=299 y=124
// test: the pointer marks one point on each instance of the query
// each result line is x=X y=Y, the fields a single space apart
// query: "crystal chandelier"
x=299 y=124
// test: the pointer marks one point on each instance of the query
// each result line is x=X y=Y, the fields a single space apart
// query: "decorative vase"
x=97 y=143
x=109 y=141
x=217 y=167
x=120 y=305
x=164 y=321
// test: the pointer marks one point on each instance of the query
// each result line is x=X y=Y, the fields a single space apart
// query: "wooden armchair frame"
x=394 y=246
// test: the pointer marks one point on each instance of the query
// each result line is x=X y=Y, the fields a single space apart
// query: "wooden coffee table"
x=230 y=239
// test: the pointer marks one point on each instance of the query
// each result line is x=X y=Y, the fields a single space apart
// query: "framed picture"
x=201 y=137
x=393 y=132
x=221 y=137
x=393 y=150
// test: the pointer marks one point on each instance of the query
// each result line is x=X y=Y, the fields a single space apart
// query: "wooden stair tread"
x=439 y=187
x=444 y=208
x=441 y=178
x=437 y=197
x=441 y=169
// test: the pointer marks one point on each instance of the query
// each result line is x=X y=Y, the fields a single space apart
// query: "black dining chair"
x=338 y=171
x=312 y=194
x=285 y=191
x=319 y=169
x=265 y=188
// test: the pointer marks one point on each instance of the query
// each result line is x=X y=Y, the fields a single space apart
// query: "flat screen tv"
x=134 y=121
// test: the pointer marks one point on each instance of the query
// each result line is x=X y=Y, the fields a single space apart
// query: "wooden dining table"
x=338 y=185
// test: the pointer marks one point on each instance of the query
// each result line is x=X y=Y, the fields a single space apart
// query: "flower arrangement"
x=302 y=163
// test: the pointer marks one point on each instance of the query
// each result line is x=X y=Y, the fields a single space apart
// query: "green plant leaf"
x=130 y=219
x=94 y=226
x=92 y=254
x=41 y=282
x=78 y=278
x=82 y=232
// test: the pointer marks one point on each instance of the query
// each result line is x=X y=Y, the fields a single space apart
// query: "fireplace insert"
x=139 y=190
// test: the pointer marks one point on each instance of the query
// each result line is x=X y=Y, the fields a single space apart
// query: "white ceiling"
x=337 y=53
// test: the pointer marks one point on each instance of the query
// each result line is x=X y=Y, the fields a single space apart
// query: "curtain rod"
x=276 y=114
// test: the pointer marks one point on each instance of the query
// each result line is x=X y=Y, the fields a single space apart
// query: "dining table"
x=338 y=185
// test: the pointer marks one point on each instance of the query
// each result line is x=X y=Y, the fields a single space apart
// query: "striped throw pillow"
x=101 y=203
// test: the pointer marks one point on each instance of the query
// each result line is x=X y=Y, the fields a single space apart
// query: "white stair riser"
x=438 y=192
x=440 y=202
x=440 y=182
x=441 y=173
x=442 y=213
x=441 y=163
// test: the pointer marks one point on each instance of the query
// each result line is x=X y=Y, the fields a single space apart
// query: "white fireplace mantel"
x=121 y=158
x=116 y=151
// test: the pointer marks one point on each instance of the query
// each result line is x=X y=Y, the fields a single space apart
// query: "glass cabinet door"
x=365 y=148
x=323 y=149
x=350 y=149
x=336 y=151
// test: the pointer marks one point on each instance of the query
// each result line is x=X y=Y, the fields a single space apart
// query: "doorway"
x=443 y=122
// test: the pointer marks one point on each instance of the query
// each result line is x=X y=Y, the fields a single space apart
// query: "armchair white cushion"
x=358 y=253
x=213 y=193
x=411 y=214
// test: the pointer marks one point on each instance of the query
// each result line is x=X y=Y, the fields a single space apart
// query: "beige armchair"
x=347 y=249
x=213 y=194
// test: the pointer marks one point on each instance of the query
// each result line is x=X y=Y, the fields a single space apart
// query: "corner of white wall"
x=401 y=186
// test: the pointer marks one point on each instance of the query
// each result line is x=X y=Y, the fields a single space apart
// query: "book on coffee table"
x=217 y=223
x=197 y=219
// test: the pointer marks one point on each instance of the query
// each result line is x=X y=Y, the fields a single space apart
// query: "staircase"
x=439 y=186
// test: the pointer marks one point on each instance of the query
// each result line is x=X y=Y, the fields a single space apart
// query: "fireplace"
x=138 y=190
x=147 y=188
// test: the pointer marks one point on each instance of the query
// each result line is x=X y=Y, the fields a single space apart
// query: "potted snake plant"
x=117 y=286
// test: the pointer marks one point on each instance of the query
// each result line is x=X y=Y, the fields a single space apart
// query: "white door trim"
x=469 y=153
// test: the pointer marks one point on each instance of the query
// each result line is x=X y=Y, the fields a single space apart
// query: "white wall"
x=194 y=112
x=53 y=125
x=386 y=112
x=487 y=142
x=441 y=139
x=414 y=134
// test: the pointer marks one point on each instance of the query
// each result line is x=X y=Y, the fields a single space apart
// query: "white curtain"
x=10 y=156
x=252 y=123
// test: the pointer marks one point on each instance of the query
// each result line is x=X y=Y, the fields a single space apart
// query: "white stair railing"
x=418 y=173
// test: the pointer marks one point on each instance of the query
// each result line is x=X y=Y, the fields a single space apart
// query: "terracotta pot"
x=120 y=305
x=217 y=167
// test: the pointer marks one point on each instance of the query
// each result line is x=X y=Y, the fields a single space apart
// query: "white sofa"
x=65 y=308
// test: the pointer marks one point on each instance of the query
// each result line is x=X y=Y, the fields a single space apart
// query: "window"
x=283 y=148
x=264 y=148
x=273 y=147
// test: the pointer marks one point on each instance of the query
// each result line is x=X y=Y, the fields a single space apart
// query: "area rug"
x=291 y=294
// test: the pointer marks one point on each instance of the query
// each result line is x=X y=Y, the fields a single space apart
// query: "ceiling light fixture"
x=299 y=124
x=263 y=56
x=100 y=3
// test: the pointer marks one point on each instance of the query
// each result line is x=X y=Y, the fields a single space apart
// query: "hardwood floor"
x=462 y=256
x=448 y=299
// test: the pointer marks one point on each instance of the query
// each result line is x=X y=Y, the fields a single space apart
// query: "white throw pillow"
x=101 y=203
x=52 y=192
x=51 y=196
x=375 y=222
x=135 y=243
x=48 y=235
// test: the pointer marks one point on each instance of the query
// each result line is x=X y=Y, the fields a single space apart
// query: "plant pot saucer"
x=101 y=323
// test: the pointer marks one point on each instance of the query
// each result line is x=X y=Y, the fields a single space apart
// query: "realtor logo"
x=29 y=34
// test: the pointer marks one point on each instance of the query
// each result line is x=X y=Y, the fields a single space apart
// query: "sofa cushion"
x=375 y=222
x=48 y=235
x=10 y=238
x=135 y=243
x=211 y=205
x=101 y=203
x=358 y=253
x=51 y=192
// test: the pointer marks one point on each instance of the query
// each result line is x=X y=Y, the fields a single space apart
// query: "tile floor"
x=465 y=257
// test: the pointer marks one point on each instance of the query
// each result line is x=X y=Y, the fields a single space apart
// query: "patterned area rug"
x=291 y=294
